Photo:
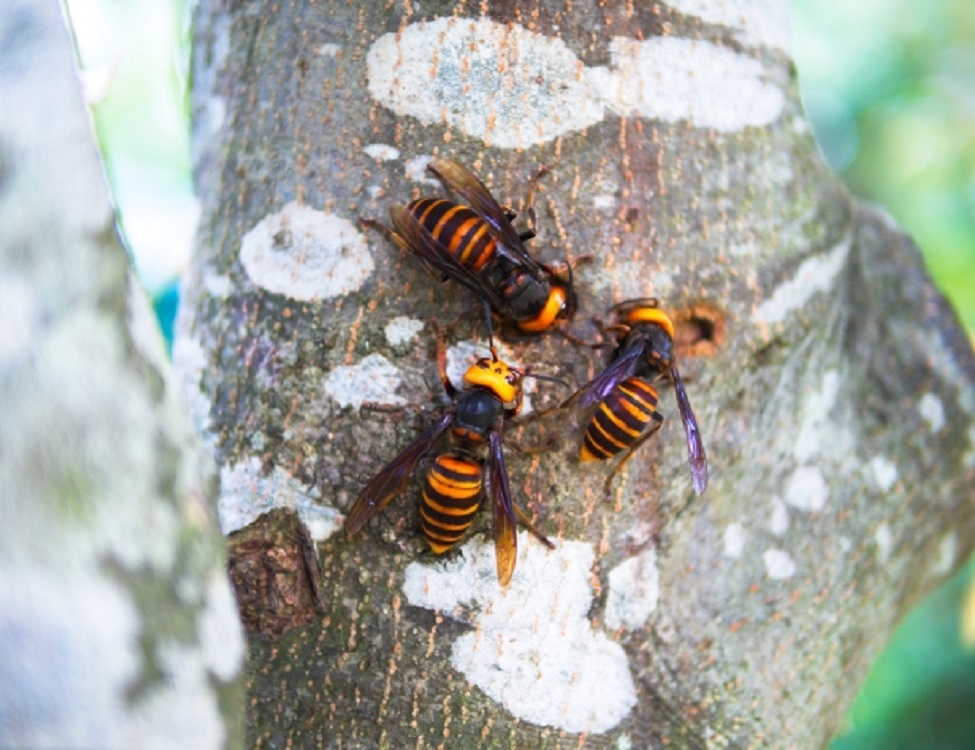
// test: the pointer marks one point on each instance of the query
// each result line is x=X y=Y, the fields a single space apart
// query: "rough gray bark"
x=835 y=392
x=117 y=624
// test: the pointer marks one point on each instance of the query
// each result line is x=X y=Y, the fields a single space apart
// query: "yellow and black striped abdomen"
x=462 y=232
x=451 y=495
x=619 y=420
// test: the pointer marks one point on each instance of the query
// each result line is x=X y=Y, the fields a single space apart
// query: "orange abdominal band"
x=554 y=306
x=651 y=315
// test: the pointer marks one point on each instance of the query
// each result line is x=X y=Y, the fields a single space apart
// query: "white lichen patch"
x=758 y=22
x=734 y=540
x=532 y=647
x=416 y=169
x=666 y=78
x=246 y=494
x=420 y=69
x=78 y=363
x=218 y=624
x=217 y=285
x=885 y=543
x=329 y=49
x=806 y=489
x=321 y=521
x=212 y=116
x=947 y=554
x=191 y=697
x=306 y=254
x=815 y=428
x=381 y=151
x=209 y=119
x=61 y=642
x=815 y=275
x=189 y=361
x=778 y=564
x=20 y=313
x=94 y=632
x=373 y=380
x=634 y=588
x=884 y=472
x=144 y=327
x=463 y=354
x=932 y=411
x=778 y=522
x=402 y=329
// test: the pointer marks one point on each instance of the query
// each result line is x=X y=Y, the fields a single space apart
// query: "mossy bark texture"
x=117 y=621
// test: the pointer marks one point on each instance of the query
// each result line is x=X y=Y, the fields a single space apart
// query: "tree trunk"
x=117 y=623
x=832 y=384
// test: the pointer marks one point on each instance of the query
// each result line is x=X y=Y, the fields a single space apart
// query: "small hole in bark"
x=700 y=328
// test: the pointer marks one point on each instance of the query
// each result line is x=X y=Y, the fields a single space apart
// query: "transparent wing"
x=437 y=259
x=505 y=536
x=389 y=482
x=619 y=369
x=465 y=183
x=697 y=457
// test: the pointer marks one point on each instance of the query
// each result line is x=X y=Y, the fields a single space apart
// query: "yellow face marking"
x=554 y=307
x=651 y=315
x=495 y=376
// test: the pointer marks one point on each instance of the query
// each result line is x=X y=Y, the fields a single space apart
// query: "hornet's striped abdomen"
x=451 y=495
x=461 y=231
x=620 y=420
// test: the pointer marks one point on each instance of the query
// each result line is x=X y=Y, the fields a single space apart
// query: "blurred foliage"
x=134 y=56
x=889 y=86
x=921 y=690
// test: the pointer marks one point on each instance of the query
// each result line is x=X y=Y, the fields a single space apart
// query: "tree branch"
x=117 y=625
x=832 y=386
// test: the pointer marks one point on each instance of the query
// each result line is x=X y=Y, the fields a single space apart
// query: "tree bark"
x=831 y=381
x=117 y=623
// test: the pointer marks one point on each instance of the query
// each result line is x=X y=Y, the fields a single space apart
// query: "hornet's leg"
x=531 y=527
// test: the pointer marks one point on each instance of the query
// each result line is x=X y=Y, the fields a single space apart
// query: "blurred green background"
x=889 y=86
